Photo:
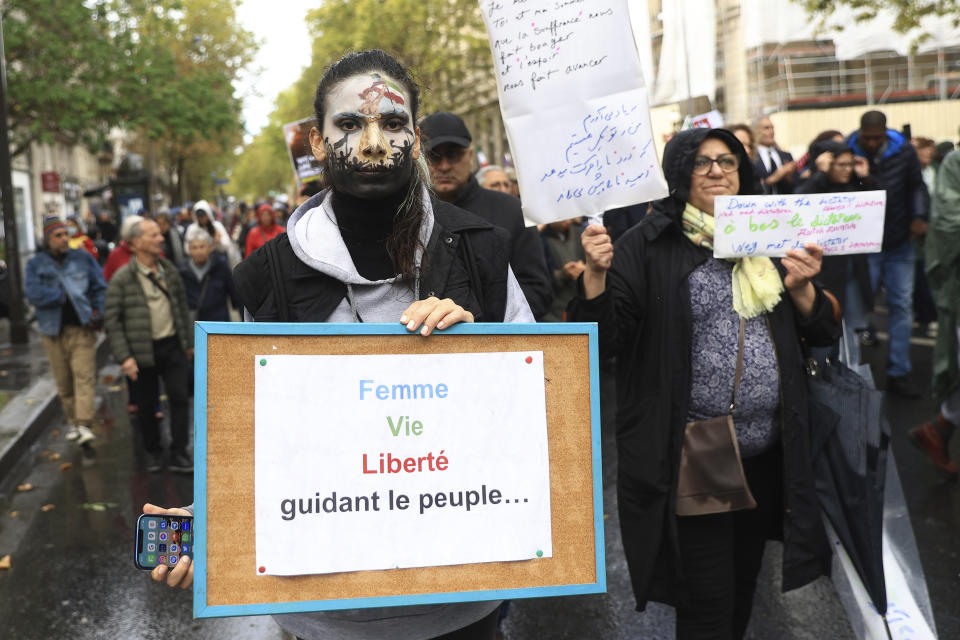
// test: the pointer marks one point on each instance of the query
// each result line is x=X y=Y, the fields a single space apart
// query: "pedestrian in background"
x=172 y=242
x=67 y=289
x=206 y=277
x=670 y=313
x=266 y=228
x=449 y=152
x=896 y=169
x=837 y=170
x=943 y=271
x=151 y=335
x=564 y=254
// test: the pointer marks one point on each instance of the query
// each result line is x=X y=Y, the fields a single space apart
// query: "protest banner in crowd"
x=574 y=105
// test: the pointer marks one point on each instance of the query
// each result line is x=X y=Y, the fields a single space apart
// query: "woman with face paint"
x=377 y=247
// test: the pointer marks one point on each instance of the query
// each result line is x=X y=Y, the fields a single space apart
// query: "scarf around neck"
x=757 y=285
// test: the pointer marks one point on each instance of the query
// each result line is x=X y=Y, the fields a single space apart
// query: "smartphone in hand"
x=163 y=539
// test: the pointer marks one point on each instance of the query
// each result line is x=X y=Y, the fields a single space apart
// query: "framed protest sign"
x=344 y=466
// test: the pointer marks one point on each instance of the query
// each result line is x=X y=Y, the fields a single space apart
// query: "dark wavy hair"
x=404 y=240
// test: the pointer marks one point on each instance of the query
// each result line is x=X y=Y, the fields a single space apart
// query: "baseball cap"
x=442 y=127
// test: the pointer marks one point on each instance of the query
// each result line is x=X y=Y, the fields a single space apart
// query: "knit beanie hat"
x=51 y=224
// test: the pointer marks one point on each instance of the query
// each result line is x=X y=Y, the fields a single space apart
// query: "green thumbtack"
x=263 y=362
x=539 y=553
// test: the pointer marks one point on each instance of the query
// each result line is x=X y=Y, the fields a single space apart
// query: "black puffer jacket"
x=645 y=320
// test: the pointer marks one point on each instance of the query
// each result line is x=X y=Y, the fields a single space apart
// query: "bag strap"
x=739 y=373
x=203 y=288
x=279 y=290
x=152 y=277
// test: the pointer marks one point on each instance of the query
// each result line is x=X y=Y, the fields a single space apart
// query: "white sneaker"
x=85 y=435
x=72 y=433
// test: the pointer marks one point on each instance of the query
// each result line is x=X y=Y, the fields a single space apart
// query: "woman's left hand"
x=802 y=266
x=433 y=313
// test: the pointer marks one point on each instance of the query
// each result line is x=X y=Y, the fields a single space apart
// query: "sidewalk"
x=28 y=395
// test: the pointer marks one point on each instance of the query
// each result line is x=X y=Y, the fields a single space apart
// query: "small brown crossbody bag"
x=711 y=478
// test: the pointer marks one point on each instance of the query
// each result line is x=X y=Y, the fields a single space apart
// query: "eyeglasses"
x=450 y=153
x=727 y=162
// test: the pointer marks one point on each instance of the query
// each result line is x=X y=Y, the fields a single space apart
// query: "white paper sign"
x=708 y=120
x=841 y=223
x=574 y=105
x=391 y=461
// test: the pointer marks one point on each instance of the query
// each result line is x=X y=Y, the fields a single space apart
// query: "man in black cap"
x=450 y=158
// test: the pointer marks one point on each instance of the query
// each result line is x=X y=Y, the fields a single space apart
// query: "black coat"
x=645 y=320
x=526 y=255
x=466 y=260
x=219 y=290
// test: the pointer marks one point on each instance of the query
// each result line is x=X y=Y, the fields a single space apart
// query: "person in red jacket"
x=266 y=229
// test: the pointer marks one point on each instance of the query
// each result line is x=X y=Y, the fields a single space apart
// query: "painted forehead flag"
x=575 y=106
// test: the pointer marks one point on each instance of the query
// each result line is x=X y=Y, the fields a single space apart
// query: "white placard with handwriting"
x=574 y=104
x=841 y=223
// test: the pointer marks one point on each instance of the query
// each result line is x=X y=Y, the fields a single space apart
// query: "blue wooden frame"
x=204 y=329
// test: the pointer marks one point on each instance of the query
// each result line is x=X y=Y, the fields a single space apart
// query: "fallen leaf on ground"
x=54 y=457
x=29 y=401
x=4 y=373
x=5 y=562
x=48 y=507
x=65 y=466
x=115 y=387
x=24 y=487
x=55 y=433
x=14 y=514
x=99 y=506
x=107 y=379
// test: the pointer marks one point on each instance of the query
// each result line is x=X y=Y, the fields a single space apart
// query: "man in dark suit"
x=775 y=168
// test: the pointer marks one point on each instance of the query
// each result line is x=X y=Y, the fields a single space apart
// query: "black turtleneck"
x=365 y=226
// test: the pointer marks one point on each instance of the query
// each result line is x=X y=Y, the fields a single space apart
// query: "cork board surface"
x=231 y=550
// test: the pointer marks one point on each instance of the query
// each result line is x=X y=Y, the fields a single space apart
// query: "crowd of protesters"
x=676 y=364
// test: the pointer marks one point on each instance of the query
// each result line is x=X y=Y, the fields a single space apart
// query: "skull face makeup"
x=367 y=139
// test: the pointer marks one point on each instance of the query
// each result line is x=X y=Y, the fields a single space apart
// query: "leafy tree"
x=163 y=68
x=908 y=13
x=62 y=70
x=443 y=42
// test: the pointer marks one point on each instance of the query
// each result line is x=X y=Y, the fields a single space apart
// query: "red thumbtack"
x=529 y=359
x=263 y=569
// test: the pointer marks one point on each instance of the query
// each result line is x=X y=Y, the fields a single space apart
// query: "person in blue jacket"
x=67 y=289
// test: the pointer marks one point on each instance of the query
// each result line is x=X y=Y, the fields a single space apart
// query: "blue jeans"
x=895 y=269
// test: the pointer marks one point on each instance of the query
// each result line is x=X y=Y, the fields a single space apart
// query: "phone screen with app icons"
x=163 y=540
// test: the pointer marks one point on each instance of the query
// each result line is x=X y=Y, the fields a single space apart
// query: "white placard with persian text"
x=574 y=104
x=391 y=461
x=841 y=223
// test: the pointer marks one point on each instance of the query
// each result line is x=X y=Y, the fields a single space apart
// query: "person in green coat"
x=148 y=326
x=943 y=273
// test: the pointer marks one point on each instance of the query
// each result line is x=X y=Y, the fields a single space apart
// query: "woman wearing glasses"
x=837 y=170
x=672 y=314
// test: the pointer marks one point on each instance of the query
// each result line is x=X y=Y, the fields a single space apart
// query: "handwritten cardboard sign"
x=841 y=223
x=400 y=461
x=574 y=104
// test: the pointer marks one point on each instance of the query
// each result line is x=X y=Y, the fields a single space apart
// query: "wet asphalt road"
x=72 y=571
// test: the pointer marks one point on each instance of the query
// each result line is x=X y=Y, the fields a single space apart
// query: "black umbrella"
x=849 y=437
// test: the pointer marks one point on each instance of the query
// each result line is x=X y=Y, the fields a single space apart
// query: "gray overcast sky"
x=281 y=58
